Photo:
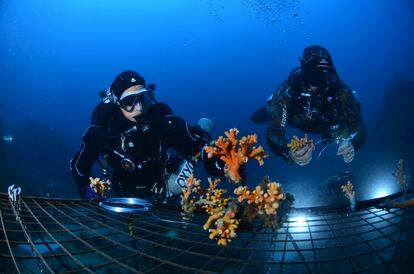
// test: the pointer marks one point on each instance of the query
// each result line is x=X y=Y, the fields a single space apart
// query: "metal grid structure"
x=74 y=236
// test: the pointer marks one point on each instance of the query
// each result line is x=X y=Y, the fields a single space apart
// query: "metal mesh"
x=73 y=236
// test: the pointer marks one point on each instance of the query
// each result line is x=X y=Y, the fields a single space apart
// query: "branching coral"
x=222 y=214
x=296 y=143
x=99 y=186
x=188 y=197
x=235 y=153
x=349 y=193
x=348 y=190
x=226 y=213
x=225 y=229
x=214 y=195
x=402 y=178
x=265 y=199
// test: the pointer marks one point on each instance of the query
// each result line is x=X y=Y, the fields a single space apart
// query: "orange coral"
x=99 y=186
x=265 y=198
x=222 y=214
x=348 y=190
x=235 y=153
x=296 y=143
x=214 y=201
x=263 y=201
x=349 y=193
x=225 y=229
x=400 y=176
x=188 y=201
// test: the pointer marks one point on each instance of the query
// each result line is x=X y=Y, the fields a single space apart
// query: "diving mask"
x=321 y=77
x=130 y=99
x=319 y=73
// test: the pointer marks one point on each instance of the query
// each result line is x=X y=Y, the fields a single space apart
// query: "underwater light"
x=298 y=221
x=383 y=187
x=381 y=193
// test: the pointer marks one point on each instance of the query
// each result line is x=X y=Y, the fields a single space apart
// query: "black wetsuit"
x=335 y=113
x=114 y=137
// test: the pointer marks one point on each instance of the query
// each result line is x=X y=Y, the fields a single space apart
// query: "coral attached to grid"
x=235 y=153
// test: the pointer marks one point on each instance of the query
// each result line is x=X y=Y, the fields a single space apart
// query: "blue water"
x=216 y=59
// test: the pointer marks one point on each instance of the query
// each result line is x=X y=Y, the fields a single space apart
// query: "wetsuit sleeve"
x=177 y=134
x=278 y=114
x=351 y=110
x=186 y=139
x=82 y=162
x=190 y=141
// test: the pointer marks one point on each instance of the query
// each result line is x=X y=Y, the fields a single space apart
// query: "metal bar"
x=329 y=222
x=28 y=237
x=124 y=246
x=8 y=243
x=158 y=234
x=284 y=246
x=85 y=243
x=57 y=242
x=353 y=266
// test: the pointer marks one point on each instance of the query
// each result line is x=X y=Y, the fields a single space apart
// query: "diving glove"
x=346 y=149
x=302 y=156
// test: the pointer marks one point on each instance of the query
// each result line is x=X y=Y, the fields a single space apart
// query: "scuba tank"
x=178 y=178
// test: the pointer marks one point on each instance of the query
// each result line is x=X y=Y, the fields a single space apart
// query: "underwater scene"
x=207 y=136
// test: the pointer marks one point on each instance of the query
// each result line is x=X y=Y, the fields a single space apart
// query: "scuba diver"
x=143 y=149
x=315 y=100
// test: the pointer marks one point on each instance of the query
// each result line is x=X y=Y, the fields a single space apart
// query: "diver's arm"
x=82 y=162
x=402 y=204
x=177 y=134
x=276 y=129
x=351 y=109
x=190 y=141
x=186 y=139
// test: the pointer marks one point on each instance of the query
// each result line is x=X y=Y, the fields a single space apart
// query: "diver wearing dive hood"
x=139 y=142
x=315 y=100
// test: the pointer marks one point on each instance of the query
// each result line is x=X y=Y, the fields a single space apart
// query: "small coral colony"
x=227 y=212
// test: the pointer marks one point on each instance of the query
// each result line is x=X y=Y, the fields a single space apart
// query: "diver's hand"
x=302 y=156
x=214 y=166
x=346 y=149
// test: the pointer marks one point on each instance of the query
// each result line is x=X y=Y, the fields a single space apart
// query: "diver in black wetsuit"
x=140 y=143
x=315 y=100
